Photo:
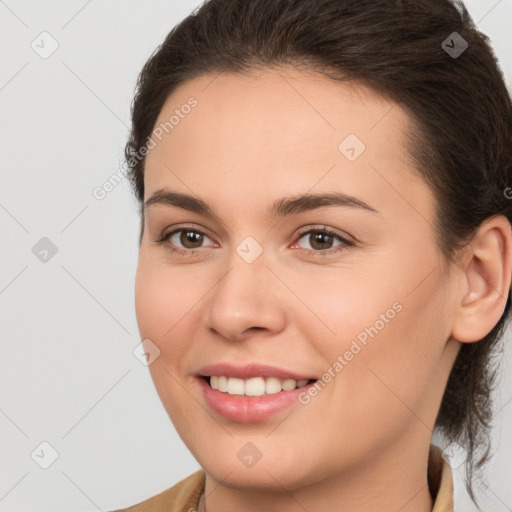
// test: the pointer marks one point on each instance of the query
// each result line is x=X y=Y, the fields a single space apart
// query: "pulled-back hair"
x=459 y=106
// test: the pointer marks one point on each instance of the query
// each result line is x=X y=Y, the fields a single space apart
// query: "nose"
x=245 y=300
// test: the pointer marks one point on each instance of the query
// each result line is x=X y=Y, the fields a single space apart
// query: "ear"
x=485 y=282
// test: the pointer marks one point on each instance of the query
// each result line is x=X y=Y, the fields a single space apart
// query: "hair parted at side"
x=460 y=108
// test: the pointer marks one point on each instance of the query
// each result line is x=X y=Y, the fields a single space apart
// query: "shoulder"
x=440 y=480
x=182 y=497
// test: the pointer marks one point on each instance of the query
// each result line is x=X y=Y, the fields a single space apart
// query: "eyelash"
x=345 y=243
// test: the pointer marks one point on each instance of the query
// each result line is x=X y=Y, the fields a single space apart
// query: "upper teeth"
x=256 y=386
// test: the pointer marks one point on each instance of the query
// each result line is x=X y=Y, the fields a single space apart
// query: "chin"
x=263 y=477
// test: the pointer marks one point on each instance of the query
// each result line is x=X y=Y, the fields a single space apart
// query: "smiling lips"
x=256 y=386
x=250 y=393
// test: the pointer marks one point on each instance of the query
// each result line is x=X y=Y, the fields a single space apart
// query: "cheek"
x=385 y=351
x=167 y=304
x=160 y=297
x=343 y=306
x=165 y=315
x=395 y=373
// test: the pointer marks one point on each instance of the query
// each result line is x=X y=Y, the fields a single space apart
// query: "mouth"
x=255 y=386
x=247 y=394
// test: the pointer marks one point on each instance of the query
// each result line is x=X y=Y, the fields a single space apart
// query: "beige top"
x=184 y=496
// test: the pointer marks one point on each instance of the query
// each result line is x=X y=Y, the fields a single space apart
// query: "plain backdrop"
x=74 y=397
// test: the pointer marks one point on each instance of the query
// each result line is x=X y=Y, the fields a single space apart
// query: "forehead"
x=279 y=130
x=302 y=108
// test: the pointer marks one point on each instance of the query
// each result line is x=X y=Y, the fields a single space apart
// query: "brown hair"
x=459 y=105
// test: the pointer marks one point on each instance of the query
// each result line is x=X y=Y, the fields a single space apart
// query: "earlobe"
x=486 y=280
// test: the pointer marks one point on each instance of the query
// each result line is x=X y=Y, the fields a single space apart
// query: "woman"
x=325 y=250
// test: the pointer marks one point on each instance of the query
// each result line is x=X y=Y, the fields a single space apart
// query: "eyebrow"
x=280 y=208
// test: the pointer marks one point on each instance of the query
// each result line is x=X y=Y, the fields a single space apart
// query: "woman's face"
x=263 y=288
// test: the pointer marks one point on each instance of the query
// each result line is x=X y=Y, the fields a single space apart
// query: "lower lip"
x=249 y=409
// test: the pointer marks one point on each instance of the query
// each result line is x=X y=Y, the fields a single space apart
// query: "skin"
x=362 y=443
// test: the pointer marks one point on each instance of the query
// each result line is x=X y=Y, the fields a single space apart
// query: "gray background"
x=68 y=330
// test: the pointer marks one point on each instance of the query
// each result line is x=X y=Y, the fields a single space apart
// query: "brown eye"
x=183 y=241
x=189 y=238
x=320 y=240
